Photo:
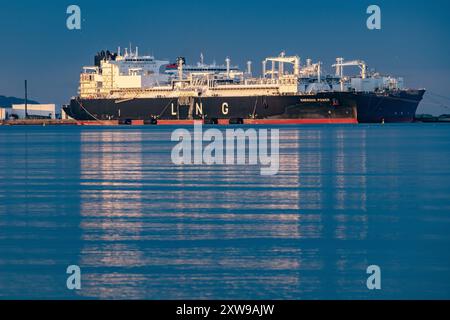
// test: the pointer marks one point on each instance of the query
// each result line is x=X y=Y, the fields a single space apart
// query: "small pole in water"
x=26 y=99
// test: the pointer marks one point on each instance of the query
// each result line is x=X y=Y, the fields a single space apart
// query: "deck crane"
x=282 y=59
x=340 y=64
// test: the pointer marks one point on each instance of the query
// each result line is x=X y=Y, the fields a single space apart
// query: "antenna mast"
x=26 y=99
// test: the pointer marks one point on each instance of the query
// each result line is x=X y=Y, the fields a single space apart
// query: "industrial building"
x=17 y=111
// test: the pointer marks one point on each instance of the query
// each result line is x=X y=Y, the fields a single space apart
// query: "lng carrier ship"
x=133 y=88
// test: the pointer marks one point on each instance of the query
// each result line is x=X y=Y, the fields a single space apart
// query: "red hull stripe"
x=179 y=122
x=98 y=123
x=226 y=122
x=223 y=121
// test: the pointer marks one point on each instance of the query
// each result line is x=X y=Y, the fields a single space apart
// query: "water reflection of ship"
x=140 y=213
x=111 y=211
x=335 y=196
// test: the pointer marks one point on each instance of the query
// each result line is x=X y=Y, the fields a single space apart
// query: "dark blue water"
x=111 y=201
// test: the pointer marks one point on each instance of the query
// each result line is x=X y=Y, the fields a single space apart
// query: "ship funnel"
x=249 y=67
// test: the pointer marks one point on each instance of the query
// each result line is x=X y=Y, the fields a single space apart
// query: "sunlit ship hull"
x=394 y=107
x=328 y=106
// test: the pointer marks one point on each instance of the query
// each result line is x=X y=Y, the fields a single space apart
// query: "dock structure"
x=37 y=122
x=220 y=122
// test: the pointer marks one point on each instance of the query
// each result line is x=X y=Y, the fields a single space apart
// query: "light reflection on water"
x=109 y=200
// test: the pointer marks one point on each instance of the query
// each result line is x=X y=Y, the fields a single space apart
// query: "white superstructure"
x=116 y=71
x=201 y=67
x=365 y=81
x=130 y=76
x=119 y=77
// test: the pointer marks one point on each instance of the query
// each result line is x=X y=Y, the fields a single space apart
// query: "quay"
x=37 y=122
x=58 y=122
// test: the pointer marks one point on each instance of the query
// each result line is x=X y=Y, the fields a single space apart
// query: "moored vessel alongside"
x=145 y=90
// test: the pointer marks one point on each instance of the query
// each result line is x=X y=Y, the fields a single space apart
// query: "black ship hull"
x=389 y=107
x=210 y=109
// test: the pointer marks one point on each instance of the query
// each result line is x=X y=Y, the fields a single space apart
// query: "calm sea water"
x=110 y=200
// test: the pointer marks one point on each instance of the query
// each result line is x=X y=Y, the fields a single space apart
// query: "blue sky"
x=36 y=45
